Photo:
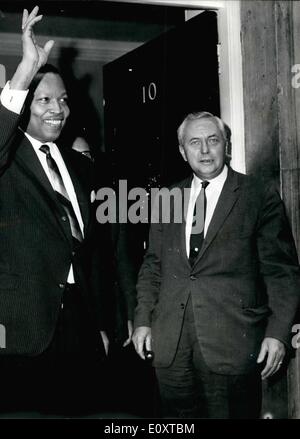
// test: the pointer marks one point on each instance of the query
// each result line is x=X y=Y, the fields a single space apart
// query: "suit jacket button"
x=182 y=305
x=64 y=218
x=61 y=286
x=73 y=253
x=193 y=277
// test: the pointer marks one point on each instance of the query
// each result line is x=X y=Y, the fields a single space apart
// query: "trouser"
x=189 y=389
x=133 y=383
x=66 y=376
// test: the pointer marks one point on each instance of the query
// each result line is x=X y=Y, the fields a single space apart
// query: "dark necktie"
x=197 y=232
x=62 y=194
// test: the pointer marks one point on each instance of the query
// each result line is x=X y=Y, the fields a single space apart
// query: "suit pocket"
x=260 y=311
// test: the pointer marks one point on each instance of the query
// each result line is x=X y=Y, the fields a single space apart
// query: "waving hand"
x=34 y=56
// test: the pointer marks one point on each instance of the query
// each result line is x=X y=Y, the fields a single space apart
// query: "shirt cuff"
x=13 y=100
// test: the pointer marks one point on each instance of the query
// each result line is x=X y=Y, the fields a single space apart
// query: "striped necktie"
x=62 y=194
x=197 y=232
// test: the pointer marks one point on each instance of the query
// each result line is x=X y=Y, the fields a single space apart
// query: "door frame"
x=230 y=66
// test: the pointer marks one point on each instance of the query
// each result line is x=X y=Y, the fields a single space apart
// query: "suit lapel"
x=27 y=158
x=82 y=199
x=26 y=155
x=186 y=191
x=227 y=200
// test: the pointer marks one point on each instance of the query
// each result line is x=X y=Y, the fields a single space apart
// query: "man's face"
x=49 y=109
x=204 y=148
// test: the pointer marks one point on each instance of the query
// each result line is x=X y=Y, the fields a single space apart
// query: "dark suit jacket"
x=36 y=244
x=244 y=285
x=121 y=269
x=125 y=277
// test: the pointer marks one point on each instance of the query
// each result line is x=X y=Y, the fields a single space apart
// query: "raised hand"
x=34 y=56
x=32 y=52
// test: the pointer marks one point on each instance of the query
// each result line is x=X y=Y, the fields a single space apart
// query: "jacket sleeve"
x=126 y=271
x=278 y=266
x=100 y=284
x=8 y=131
x=149 y=278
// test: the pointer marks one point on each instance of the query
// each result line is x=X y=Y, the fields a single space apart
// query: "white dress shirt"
x=14 y=100
x=212 y=192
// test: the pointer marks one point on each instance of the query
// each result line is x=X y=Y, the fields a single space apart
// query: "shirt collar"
x=219 y=180
x=37 y=143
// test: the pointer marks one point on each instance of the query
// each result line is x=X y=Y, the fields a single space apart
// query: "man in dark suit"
x=51 y=275
x=216 y=303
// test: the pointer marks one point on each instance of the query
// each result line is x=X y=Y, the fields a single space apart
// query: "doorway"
x=148 y=92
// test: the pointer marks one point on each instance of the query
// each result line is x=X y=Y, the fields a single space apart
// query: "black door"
x=148 y=91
